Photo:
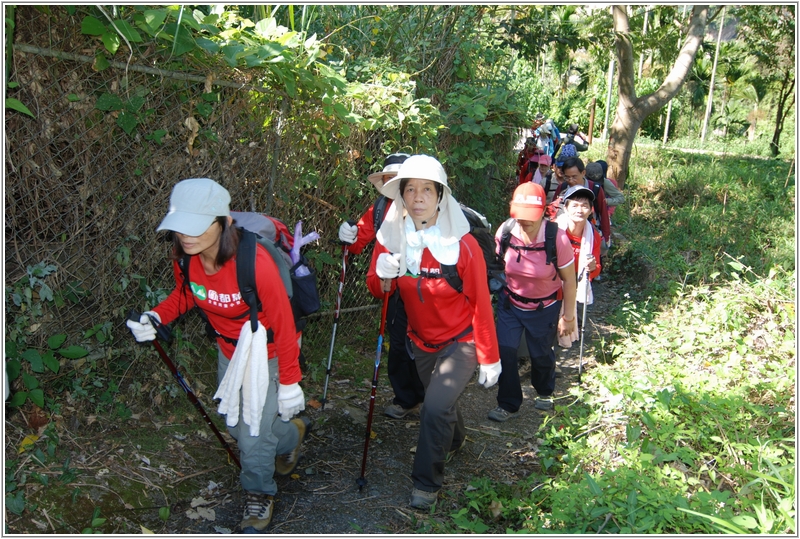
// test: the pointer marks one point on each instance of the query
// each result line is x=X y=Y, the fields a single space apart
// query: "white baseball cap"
x=193 y=206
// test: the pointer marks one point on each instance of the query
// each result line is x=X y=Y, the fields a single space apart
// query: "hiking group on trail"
x=431 y=267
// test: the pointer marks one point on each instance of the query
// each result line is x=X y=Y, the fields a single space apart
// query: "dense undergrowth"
x=687 y=422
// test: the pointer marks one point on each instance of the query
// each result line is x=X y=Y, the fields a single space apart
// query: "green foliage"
x=689 y=432
x=476 y=118
x=96 y=522
x=16 y=104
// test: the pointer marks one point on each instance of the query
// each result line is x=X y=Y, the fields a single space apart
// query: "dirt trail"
x=127 y=469
x=324 y=497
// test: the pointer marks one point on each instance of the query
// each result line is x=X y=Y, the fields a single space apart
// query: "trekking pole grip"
x=162 y=331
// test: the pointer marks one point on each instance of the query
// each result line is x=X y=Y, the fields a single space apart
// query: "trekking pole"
x=164 y=333
x=361 y=481
x=583 y=324
x=335 y=322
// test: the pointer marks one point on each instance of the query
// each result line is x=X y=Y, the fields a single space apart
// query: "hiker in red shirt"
x=402 y=372
x=524 y=156
x=202 y=227
x=452 y=332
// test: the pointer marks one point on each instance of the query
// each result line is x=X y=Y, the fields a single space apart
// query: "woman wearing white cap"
x=531 y=302
x=402 y=372
x=452 y=332
x=199 y=217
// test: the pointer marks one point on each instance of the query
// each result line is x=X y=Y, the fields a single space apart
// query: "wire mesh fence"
x=88 y=179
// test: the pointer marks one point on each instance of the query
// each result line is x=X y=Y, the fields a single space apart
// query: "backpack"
x=274 y=236
x=379 y=210
x=481 y=230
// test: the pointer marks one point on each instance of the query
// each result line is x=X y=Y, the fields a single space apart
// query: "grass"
x=688 y=426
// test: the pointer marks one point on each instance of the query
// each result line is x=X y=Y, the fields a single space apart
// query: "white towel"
x=248 y=371
x=431 y=237
x=584 y=289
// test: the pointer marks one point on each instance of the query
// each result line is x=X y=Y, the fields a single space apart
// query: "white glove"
x=348 y=233
x=388 y=265
x=143 y=330
x=489 y=374
x=291 y=401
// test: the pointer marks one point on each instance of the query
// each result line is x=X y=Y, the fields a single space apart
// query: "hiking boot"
x=422 y=499
x=257 y=512
x=396 y=411
x=543 y=403
x=285 y=464
x=501 y=414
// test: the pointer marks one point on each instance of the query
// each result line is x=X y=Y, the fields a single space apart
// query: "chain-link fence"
x=89 y=178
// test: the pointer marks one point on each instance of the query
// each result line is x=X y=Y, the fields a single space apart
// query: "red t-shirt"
x=575 y=241
x=436 y=311
x=218 y=295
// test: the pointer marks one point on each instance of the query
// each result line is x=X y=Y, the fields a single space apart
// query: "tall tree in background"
x=770 y=35
x=632 y=110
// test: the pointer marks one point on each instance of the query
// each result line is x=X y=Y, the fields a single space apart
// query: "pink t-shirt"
x=527 y=272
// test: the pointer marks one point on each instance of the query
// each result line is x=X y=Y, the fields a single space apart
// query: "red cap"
x=528 y=202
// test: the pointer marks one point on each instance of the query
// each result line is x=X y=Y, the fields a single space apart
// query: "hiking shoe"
x=257 y=512
x=422 y=499
x=285 y=464
x=396 y=411
x=501 y=414
x=543 y=403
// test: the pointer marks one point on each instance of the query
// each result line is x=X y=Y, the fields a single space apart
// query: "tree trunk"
x=632 y=110
x=787 y=90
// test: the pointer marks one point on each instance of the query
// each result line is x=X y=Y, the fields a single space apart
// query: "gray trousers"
x=276 y=437
x=444 y=375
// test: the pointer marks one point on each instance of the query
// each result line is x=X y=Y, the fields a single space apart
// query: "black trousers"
x=403 y=375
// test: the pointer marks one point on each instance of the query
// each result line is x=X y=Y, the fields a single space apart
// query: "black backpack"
x=274 y=236
x=379 y=211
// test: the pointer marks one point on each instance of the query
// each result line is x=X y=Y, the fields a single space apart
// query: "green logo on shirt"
x=199 y=291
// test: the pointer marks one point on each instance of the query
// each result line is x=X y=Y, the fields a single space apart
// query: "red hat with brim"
x=528 y=202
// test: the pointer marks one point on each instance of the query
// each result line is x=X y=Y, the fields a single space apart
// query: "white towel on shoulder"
x=584 y=288
x=248 y=371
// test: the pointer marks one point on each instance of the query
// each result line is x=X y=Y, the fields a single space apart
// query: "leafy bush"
x=686 y=433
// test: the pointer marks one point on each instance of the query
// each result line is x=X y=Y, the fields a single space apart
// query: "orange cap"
x=528 y=202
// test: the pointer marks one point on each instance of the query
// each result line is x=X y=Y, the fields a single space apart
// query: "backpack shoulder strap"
x=183 y=263
x=550 y=231
x=246 y=275
x=378 y=211
x=450 y=274
x=550 y=248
